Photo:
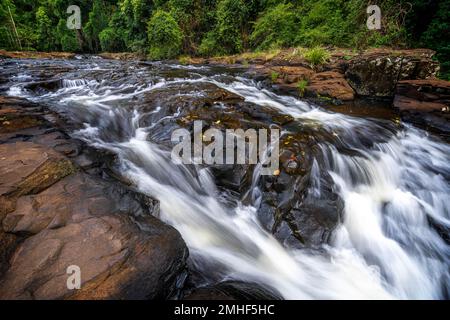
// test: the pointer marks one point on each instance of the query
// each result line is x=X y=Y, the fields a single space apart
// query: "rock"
x=408 y=104
x=237 y=178
x=423 y=95
x=122 y=56
x=28 y=168
x=426 y=103
x=122 y=251
x=289 y=74
x=299 y=206
x=376 y=72
x=330 y=85
x=234 y=290
x=35 y=55
x=54 y=215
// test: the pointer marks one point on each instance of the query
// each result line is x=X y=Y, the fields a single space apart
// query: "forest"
x=164 y=29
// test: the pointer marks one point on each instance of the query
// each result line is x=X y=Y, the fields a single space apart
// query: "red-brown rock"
x=331 y=85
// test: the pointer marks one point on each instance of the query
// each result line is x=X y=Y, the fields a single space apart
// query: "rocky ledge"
x=35 y=55
x=405 y=79
x=425 y=103
x=58 y=208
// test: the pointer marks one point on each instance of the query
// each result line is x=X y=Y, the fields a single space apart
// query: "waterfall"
x=385 y=247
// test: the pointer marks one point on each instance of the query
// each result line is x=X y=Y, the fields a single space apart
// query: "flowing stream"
x=385 y=247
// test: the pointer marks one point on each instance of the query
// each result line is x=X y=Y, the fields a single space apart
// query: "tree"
x=276 y=27
x=97 y=22
x=8 y=36
x=44 y=30
x=227 y=35
x=164 y=36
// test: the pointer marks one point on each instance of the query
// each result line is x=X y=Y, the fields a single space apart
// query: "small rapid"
x=395 y=189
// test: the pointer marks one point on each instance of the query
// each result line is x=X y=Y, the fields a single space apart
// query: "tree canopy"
x=166 y=28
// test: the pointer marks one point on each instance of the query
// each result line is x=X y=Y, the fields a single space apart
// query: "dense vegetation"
x=167 y=28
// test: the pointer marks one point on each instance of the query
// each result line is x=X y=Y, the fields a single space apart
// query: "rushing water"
x=385 y=246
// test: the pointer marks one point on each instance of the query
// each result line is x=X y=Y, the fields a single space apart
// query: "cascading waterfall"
x=384 y=248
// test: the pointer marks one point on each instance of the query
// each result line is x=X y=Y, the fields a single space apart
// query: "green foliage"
x=109 y=40
x=429 y=26
x=277 y=26
x=221 y=27
x=164 y=36
x=44 y=30
x=97 y=22
x=67 y=38
x=274 y=76
x=227 y=35
x=301 y=85
x=317 y=56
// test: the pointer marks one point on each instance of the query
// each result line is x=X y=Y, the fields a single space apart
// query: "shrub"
x=437 y=37
x=184 y=60
x=164 y=36
x=317 y=56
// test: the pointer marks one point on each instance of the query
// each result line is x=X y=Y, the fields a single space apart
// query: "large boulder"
x=122 y=251
x=377 y=72
x=299 y=205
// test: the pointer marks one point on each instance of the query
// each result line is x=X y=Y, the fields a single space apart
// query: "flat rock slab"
x=423 y=95
x=27 y=167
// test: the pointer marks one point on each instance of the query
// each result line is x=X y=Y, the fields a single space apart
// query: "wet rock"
x=43 y=87
x=377 y=72
x=233 y=177
x=410 y=104
x=54 y=215
x=423 y=95
x=299 y=206
x=234 y=290
x=425 y=103
x=123 y=252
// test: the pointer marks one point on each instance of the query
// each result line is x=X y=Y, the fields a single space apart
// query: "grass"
x=298 y=52
x=264 y=55
x=301 y=85
x=184 y=60
x=317 y=56
x=274 y=76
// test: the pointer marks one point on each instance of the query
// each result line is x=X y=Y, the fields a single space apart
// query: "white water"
x=384 y=248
